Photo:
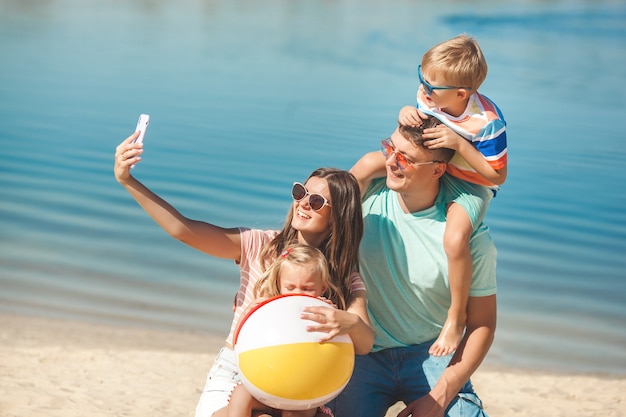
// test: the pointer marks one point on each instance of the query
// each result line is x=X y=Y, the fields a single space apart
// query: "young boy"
x=450 y=75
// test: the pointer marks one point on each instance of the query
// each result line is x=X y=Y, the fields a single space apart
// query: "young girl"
x=300 y=269
x=325 y=214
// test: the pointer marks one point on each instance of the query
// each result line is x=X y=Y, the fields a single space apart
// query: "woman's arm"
x=205 y=237
x=361 y=333
x=354 y=321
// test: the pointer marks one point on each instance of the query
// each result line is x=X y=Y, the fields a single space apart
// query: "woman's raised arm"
x=205 y=237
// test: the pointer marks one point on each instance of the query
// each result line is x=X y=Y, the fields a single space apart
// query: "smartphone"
x=142 y=125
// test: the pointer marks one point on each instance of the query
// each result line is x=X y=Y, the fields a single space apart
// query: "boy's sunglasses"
x=316 y=201
x=428 y=88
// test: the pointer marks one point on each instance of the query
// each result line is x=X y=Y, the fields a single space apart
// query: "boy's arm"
x=477 y=161
x=409 y=116
x=368 y=168
x=443 y=136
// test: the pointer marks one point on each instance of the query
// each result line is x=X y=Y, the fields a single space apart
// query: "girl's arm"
x=205 y=237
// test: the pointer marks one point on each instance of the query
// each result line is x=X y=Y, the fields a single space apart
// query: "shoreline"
x=51 y=367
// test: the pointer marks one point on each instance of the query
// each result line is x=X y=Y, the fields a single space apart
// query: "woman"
x=326 y=214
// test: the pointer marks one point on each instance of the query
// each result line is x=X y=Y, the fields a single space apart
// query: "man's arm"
x=481 y=327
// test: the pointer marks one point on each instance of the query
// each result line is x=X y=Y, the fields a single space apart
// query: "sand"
x=63 y=368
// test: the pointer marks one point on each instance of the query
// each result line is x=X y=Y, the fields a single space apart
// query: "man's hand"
x=423 y=407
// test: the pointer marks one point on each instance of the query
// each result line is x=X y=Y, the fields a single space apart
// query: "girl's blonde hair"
x=298 y=255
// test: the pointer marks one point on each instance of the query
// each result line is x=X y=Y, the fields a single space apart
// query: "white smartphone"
x=142 y=125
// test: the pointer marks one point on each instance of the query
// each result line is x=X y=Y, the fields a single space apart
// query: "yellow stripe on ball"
x=299 y=371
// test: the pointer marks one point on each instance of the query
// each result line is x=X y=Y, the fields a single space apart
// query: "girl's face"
x=300 y=279
x=312 y=226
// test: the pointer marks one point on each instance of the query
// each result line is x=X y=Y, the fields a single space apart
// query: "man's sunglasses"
x=316 y=201
x=428 y=88
x=401 y=161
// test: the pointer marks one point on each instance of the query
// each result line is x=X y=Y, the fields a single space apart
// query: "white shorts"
x=220 y=382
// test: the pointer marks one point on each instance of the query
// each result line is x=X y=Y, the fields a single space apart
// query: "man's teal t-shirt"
x=409 y=308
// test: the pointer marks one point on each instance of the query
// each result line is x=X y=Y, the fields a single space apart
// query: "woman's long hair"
x=341 y=247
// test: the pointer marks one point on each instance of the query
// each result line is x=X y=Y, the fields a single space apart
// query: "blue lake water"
x=247 y=97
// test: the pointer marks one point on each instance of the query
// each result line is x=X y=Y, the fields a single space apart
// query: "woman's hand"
x=330 y=320
x=327 y=301
x=127 y=154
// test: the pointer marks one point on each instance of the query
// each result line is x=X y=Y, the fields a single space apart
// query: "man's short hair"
x=414 y=135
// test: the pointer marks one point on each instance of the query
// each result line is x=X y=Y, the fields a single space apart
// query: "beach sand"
x=62 y=368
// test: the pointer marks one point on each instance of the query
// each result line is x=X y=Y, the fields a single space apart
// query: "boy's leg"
x=467 y=206
x=456 y=244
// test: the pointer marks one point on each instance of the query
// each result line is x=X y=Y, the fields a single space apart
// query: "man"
x=404 y=266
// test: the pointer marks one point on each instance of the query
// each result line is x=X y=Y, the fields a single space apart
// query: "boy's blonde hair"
x=268 y=284
x=458 y=61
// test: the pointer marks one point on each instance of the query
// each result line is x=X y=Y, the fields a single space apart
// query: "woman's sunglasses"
x=316 y=201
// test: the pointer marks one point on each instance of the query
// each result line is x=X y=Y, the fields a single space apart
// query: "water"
x=246 y=97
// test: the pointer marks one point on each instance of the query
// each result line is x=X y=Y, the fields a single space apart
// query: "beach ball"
x=283 y=365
